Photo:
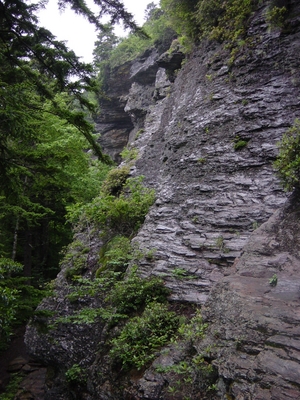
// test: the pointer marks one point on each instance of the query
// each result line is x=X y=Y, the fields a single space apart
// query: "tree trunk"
x=28 y=253
x=15 y=242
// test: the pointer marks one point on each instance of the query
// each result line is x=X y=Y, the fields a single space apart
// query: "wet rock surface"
x=210 y=157
x=253 y=313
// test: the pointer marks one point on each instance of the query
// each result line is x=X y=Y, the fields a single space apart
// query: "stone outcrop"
x=128 y=83
x=223 y=233
x=211 y=193
x=113 y=124
x=253 y=314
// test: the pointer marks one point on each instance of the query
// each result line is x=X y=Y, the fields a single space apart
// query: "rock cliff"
x=223 y=233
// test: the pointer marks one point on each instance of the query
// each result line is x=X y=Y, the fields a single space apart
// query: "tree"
x=181 y=15
x=111 y=52
x=105 y=43
x=29 y=52
x=115 y=9
x=47 y=170
x=8 y=296
x=44 y=138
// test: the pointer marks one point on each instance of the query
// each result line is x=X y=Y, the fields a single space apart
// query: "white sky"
x=79 y=34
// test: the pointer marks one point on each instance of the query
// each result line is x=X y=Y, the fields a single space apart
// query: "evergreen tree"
x=44 y=138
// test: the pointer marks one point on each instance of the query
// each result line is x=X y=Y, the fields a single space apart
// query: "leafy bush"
x=288 y=160
x=76 y=257
x=223 y=20
x=181 y=15
x=128 y=49
x=194 y=330
x=7 y=294
x=143 y=335
x=135 y=293
x=240 y=144
x=18 y=299
x=121 y=215
x=116 y=254
x=129 y=154
x=275 y=16
x=12 y=387
x=115 y=180
x=76 y=374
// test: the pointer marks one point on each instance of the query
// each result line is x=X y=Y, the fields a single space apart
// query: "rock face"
x=210 y=156
x=113 y=124
x=253 y=314
x=223 y=232
x=125 y=85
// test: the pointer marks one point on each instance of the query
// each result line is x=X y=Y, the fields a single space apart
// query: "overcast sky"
x=77 y=31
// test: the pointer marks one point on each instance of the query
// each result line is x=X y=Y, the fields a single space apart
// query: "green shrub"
x=143 y=335
x=275 y=16
x=116 y=254
x=181 y=15
x=13 y=387
x=240 y=144
x=159 y=31
x=135 y=293
x=223 y=21
x=129 y=154
x=8 y=297
x=115 y=180
x=194 y=329
x=18 y=298
x=124 y=214
x=273 y=281
x=288 y=160
x=76 y=374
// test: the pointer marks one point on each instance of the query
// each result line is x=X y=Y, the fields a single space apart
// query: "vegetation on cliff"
x=288 y=161
x=45 y=138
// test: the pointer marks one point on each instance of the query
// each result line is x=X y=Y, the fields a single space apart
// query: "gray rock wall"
x=254 y=323
x=211 y=195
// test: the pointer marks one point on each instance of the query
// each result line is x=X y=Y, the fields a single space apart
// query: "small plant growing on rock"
x=139 y=132
x=76 y=375
x=179 y=273
x=273 y=281
x=220 y=242
x=143 y=335
x=239 y=144
x=150 y=254
x=288 y=160
x=194 y=330
x=129 y=154
x=122 y=213
x=135 y=293
x=275 y=16
x=115 y=181
x=116 y=254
